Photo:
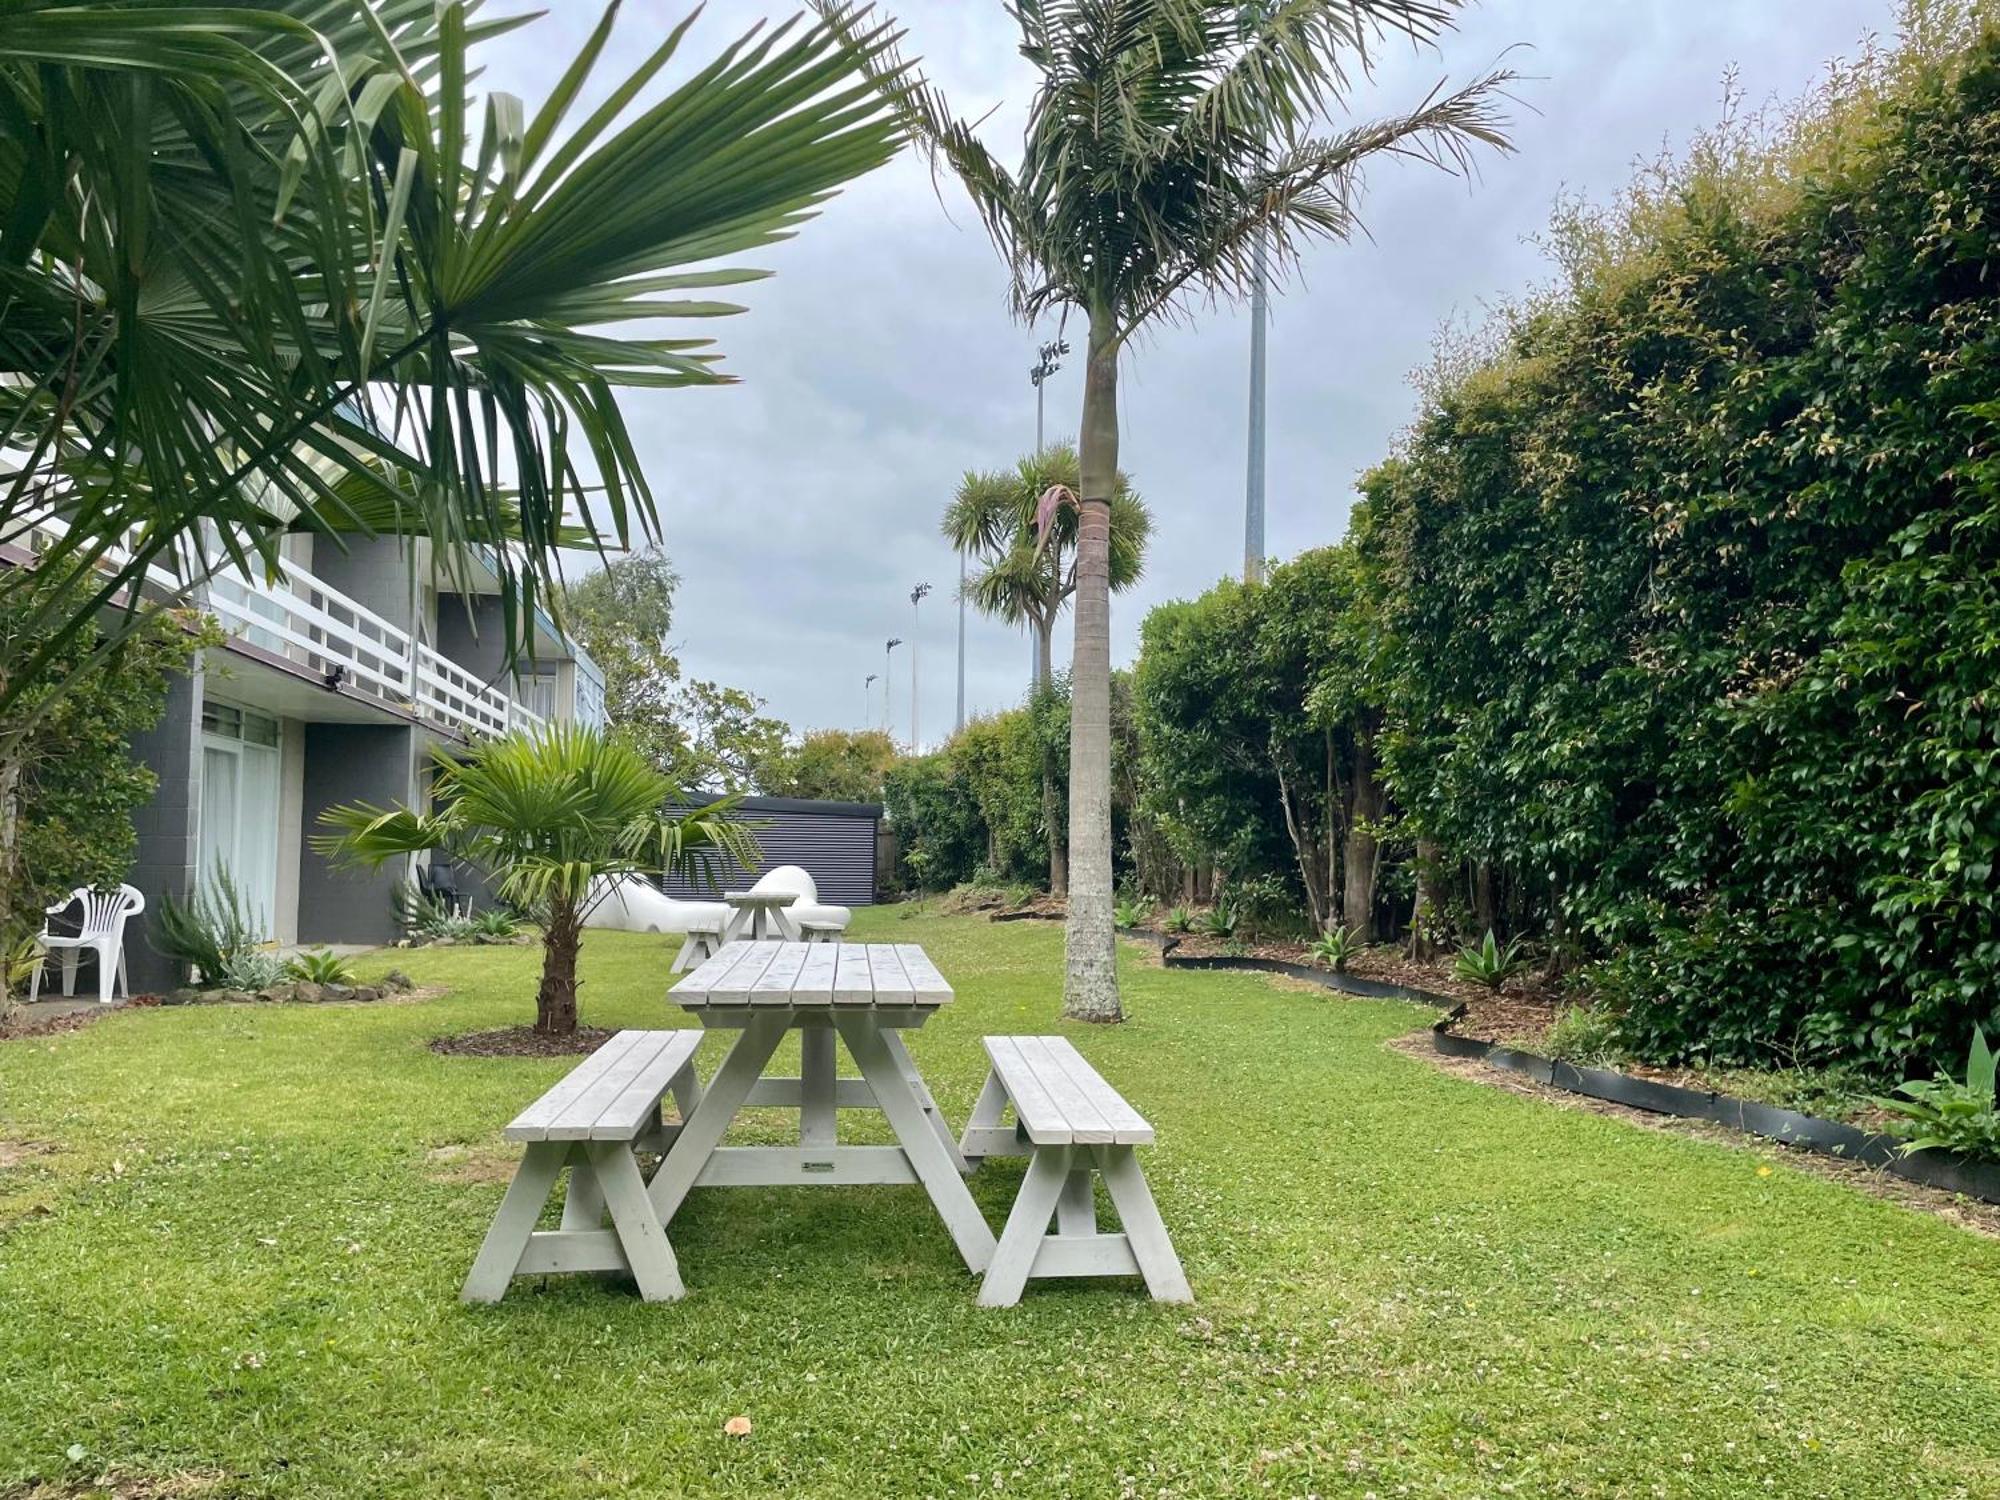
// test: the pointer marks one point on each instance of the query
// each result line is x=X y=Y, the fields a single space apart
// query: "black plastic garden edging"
x=1938 y=1169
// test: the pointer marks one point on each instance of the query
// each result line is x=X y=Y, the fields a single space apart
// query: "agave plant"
x=1180 y=919
x=1220 y=920
x=1132 y=913
x=319 y=966
x=1334 y=948
x=1489 y=963
x=553 y=819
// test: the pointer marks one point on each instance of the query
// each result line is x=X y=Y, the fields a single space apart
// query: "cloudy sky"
x=802 y=504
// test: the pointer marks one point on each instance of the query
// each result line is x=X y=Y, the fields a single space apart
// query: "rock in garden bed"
x=299 y=992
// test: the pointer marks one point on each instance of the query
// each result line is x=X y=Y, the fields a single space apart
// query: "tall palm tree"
x=264 y=268
x=556 y=818
x=1029 y=568
x=1164 y=138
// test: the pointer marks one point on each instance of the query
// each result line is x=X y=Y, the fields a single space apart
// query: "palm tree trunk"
x=555 y=1004
x=1045 y=629
x=1090 y=981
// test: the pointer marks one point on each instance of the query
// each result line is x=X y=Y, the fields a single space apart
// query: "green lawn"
x=241 y=1265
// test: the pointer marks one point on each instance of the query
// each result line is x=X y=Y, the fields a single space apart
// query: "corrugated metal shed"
x=833 y=841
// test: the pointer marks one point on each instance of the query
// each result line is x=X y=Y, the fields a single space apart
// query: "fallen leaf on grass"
x=737 y=1427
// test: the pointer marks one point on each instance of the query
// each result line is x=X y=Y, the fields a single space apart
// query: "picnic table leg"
x=508 y=1236
x=985 y=1135
x=640 y=1234
x=1144 y=1230
x=908 y=1067
x=583 y=1204
x=817 y=1121
x=705 y=1128
x=936 y=1167
x=786 y=931
x=1076 y=1209
x=1027 y=1223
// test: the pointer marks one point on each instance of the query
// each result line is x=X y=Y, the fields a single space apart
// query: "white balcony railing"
x=313 y=625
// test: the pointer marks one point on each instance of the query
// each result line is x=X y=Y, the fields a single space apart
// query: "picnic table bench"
x=1072 y=1125
x=595 y=1121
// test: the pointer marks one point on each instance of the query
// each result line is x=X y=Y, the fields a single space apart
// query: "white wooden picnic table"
x=756 y=916
x=864 y=994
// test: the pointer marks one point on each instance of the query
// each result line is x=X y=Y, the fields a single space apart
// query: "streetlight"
x=888 y=653
x=916 y=619
x=1050 y=358
x=868 y=698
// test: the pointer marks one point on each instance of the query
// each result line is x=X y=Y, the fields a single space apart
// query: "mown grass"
x=241 y=1263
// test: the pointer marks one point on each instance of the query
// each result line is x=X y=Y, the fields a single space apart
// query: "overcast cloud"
x=881 y=362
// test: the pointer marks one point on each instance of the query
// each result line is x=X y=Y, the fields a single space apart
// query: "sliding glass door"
x=239 y=809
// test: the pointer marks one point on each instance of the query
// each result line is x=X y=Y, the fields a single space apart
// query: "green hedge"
x=1692 y=579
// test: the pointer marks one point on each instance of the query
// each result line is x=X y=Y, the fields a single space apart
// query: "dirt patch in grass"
x=188 y=1484
x=1967 y=1213
x=459 y=1165
x=522 y=1041
x=25 y=1023
x=15 y=1153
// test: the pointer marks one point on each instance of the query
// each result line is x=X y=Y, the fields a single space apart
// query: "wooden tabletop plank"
x=892 y=982
x=814 y=986
x=696 y=985
x=854 y=978
x=735 y=986
x=927 y=984
x=774 y=985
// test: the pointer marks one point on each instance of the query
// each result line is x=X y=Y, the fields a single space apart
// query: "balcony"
x=299 y=617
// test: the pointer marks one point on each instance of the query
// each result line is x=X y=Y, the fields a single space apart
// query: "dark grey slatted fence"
x=833 y=841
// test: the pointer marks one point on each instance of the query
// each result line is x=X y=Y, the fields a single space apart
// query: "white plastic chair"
x=105 y=914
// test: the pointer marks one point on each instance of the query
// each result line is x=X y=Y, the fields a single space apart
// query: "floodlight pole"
x=1049 y=360
x=867 y=699
x=888 y=657
x=916 y=623
x=1253 y=479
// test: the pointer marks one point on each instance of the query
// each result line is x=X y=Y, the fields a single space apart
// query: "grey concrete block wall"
x=371 y=571
x=169 y=829
x=374 y=763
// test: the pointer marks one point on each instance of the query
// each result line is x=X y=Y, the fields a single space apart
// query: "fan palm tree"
x=265 y=268
x=1164 y=139
x=555 y=819
x=1029 y=569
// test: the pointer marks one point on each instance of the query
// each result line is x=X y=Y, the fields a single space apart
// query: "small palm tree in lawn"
x=1028 y=570
x=554 y=818
x=1165 y=139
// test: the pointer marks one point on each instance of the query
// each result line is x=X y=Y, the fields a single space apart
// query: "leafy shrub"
x=320 y=966
x=1946 y=1114
x=1220 y=920
x=1334 y=948
x=209 y=932
x=1130 y=914
x=1180 y=919
x=253 y=969
x=1489 y=963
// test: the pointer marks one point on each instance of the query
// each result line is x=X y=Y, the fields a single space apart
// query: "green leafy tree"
x=553 y=819
x=727 y=738
x=1165 y=140
x=623 y=615
x=1028 y=558
x=834 y=765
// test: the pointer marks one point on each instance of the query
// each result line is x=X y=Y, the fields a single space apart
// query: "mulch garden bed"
x=522 y=1041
